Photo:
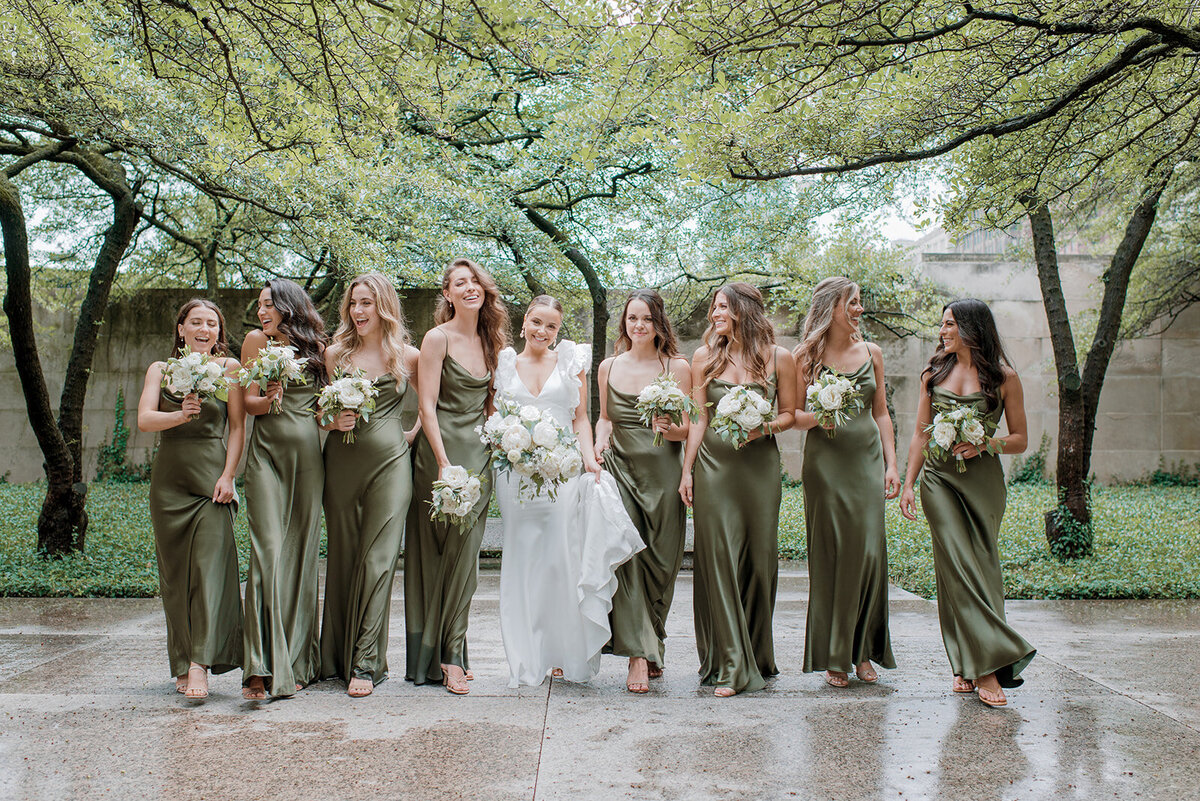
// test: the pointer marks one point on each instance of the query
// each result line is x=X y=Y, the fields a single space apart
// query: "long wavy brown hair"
x=492 y=327
x=664 y=335
x=751 y=331
x=977 y=329
x=826 y=296
x=346 y=341
x=300 y=323
x=220 y=347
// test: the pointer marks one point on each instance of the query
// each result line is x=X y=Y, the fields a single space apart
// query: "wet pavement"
x=1109 y=710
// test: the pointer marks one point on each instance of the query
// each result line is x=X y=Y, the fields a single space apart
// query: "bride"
x=557 y=576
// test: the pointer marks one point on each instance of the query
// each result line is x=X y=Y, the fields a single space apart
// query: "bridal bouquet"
x=662 y=397
x=454 y=497
x=740 y=412
x=954 y=423
x=273 y=363
x=196 y=374
x=347 y=392
x=833 y=398
x=529 y=442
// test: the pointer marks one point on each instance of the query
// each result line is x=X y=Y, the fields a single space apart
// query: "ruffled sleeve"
x=573 y=359
x=506 y=371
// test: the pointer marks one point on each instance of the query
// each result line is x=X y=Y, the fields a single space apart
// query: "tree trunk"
x=63 y=521
x=596 y=289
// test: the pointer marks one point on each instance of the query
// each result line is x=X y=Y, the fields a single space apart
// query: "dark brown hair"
x=300 y=323
x=220 y=347
x=664 y=335
x=977 y=329
x=492 y=326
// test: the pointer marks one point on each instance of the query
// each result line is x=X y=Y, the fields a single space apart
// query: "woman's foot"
x=360 y=687
x=468 y=675
x=197 y=681
x=181 y=684
x=989 y=691
x=963 y=686
x=866 y=673
x=637 y=680
x=454 y=679
x=655 y=671
x=255 y=690
x=836 y=678
x=724 y=692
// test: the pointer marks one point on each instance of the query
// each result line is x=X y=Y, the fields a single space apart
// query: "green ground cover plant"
x=1147 y=545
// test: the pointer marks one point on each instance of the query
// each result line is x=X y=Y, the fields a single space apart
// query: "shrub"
x=112 y=465
x=1032 y=469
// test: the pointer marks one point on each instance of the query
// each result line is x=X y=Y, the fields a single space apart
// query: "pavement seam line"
x=537 y=772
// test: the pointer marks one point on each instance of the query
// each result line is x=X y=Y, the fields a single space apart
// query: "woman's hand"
x=966 y=450
x=346 y=420
x=685 y=488
x=908 y=502
x=593 y=467
x=599 y=448
x=274 y=392
x=661 y=425
x=891 y=483
x=190 y=408
x=224 y=492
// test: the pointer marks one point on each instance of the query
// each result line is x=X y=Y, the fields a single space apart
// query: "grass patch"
x=1147 y=542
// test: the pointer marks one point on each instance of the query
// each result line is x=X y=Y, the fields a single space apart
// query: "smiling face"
x=541 y=327
x=463 y=290
x=639 y=322
x=948 y=333
x=850 y=312
x=721 y=316
x=200 y=329
x=268 y=316
x=364 y=314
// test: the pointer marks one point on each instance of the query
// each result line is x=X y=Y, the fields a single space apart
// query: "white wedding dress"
x=557 y=575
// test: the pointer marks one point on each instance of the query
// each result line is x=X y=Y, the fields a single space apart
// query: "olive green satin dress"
x=964 y=512
x=193 y=539
x=648 y=478
x=842 y=475
x=441 y=562
x=735 y=508
x=368 y=485
x=284 y=480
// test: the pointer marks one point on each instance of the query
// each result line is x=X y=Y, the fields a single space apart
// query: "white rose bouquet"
x=954 y=423
x=347 y=392
x=834 y=399
x=529 y=442
x=740 y=412
x=198 y=374
x=454 y=497
x=273 y=363
x=662 y=397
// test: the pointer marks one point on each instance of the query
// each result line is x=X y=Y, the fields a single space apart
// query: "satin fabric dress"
x=842 y=475
x=735 y=509
x=441 y=562
x=964 y=511
x=284 y=481
x=558 y=574
x=648 y=477
x=368 y=486
x=193 y=539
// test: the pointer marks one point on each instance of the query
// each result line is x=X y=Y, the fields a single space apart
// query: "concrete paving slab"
x=90 y=712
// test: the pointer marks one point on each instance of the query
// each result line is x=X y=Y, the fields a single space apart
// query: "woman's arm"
x=887 y=437
x=256 y=403
x=695 y=434
x=434 y=348
x=785 y=399
x=223 y=492
x=149 y=418
x=1017 y=439
x=582 y=426
x=411 y=358
x=603 y=424
x=916 y=455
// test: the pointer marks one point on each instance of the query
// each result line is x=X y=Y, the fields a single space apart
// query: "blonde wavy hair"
x=493 y=325
x=749 y=328
x=346 y=341
x=826 y=297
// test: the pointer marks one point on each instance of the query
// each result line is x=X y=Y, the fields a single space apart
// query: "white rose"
x=761 y=405
x=455 y=476
x=494 y=425
x=193 y=360
x=829 y=398
x=549 y=467
x=943 y=435
x=748 y=419
x=514 y=456
x=515 y=439
x=206 y=385
x=728 y=405
x=530 y=414
x=570 y=462
x=545 y=434
x=526 y=467
x=973 y=432
x=351 y=398
x=958 y=414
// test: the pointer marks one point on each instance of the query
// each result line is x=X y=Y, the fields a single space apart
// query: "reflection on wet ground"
x=89 y=712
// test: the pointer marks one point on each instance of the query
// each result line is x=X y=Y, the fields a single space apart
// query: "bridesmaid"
x=964 y=509
x=192 y=503
x=846 y=479
x=736 y=493
x=648 y=477
x=441 y=562
x=284 y=480
x=368 y=485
